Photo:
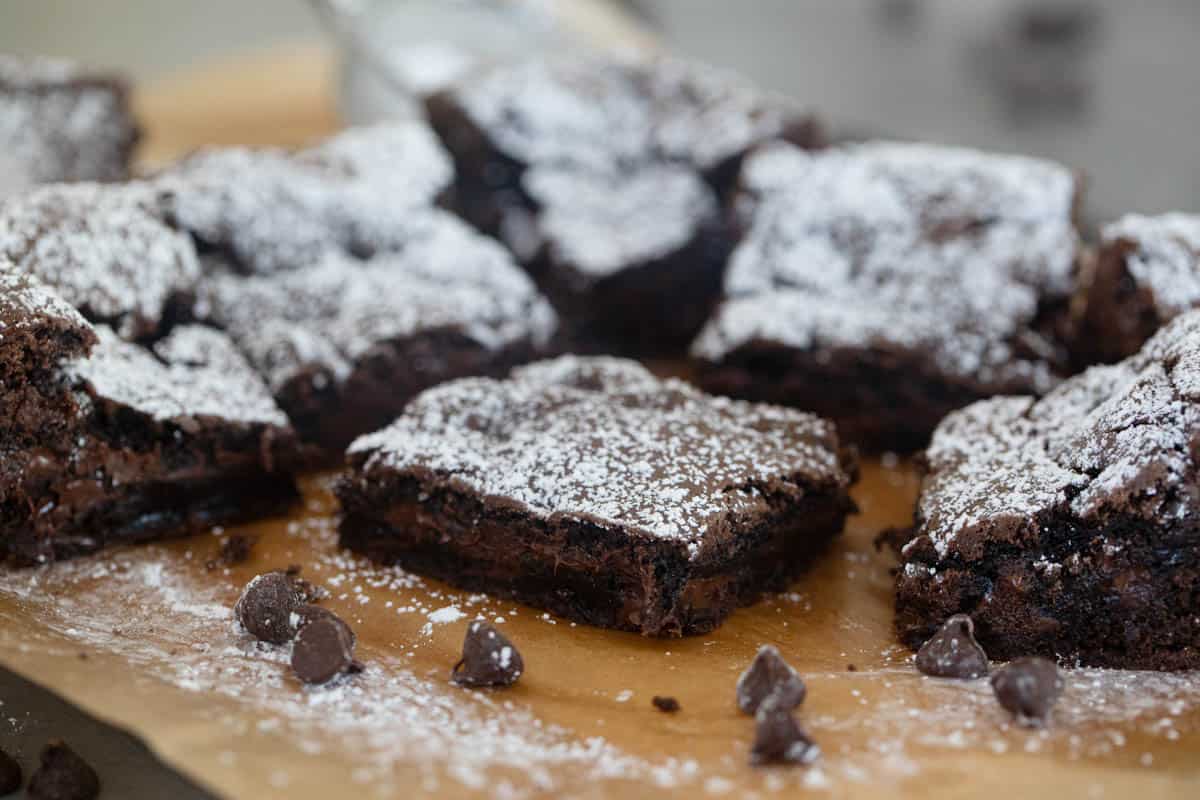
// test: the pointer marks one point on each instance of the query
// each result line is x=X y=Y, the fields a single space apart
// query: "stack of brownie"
x=59 y=122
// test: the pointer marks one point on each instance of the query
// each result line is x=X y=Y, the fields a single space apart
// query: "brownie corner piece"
x=61 y=122
x=137 y=443
x=885 y=284
x=1069 y=526
x=591 y=488
x=1145 y=272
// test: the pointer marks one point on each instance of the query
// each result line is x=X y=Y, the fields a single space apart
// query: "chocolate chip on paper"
x=952 y=652
x=488 y=658
x=63 y=775
x=324 y=646
x=769 y=675
x=778 y=737
x=268 y=603
x=1028 y=688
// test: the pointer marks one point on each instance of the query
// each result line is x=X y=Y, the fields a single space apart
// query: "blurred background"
x=1109 y=86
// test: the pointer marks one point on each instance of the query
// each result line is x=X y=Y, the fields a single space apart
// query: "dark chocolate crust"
x=1145 y=272
x=1068 y=527
x=884 y=284
x=596 y=522
x=62 y=123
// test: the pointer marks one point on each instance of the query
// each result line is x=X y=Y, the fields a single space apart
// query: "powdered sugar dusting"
x=1165 y=258
x=25 y=302
x=911 y=247
x=441 y=276
x=104 y=248
x=193 y=372
x=270 y=209
x=600 y=223
x=604 y=439
x=1114 y=435
x=60 y=123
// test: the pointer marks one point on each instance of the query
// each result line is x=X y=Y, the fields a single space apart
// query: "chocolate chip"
x=668 y=704
x=63 y=775
x=769 y=675
x=233 y=551
x=488 y=658
x=778 y=737
x=1029 y=688
x=10 y=774
x=268 y=602
x=324 y=647
x=310 y=613
x=953 y=652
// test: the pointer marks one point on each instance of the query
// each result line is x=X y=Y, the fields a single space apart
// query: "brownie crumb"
x=1028 y=687
x=63 y=775
x=668 y=705
x=769 y=675
x=488 y=658
x=953 y=652
x=851 y=668
x=324 y=646
x=268 y=602
x=778 y=737
x=233 y=551
x=10 y=774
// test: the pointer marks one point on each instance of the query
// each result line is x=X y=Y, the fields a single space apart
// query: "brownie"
x=1146 y=272
x=155 y=442
x=345 y=343
x=591 y=488
x=1069 y=526
x=59 y=122
x=106 y=250
x=605 y=176
x=267 y=210
x=883 y=285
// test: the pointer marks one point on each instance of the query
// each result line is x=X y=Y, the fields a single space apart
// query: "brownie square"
x=883 y=285
x=106 y=250
x=605 y=177
x=59 y=122
x=345 y=343
x=160 y=441
x=266 y=210
x=1146 y=272
x=591 y=488
x=1069 y=526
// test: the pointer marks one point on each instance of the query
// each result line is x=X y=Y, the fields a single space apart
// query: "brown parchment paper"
x=165 y=660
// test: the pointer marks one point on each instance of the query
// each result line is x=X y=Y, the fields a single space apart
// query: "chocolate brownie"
x=159 y=441
x=106 y=250
x=591 y=488
x=266 y=210
x=1069 y=527
x=1146 y=272
x=885 y=284
x=604 y=177
x=344 y=343
x=59 y=122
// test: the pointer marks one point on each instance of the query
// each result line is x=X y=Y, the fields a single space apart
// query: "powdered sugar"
x=1113 y=436
x=105 y=249
x=1164 y=259
x=194 y=372
x=439 y=276
x=600 y=223
x=59 y=123
x=269 y=209
x=25 y=302
x=938 y=251
x=603 y=439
